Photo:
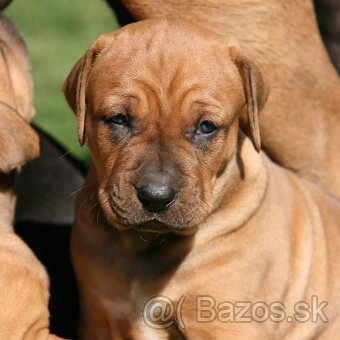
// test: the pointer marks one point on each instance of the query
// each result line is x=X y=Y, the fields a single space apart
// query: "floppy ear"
x=255 y=93
x=19 y=143
x=75 y=84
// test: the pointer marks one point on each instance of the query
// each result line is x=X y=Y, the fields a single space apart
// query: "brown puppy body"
x=23 y=280
x=178 y=202
x=299 y=124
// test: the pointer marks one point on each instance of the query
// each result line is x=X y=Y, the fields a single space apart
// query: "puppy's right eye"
x=118 y=119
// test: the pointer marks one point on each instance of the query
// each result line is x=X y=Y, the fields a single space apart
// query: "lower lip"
x=154 y=225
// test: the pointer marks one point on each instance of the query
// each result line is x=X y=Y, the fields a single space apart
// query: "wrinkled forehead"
x=166 y=61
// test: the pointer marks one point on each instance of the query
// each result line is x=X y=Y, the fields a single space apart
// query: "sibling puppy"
x=179 y=203
x=299 y=124
x=23 y=280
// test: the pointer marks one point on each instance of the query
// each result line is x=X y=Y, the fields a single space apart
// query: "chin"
x=157 y=227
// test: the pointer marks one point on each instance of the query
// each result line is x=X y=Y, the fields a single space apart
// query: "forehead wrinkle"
x=196 y=94
x=151 y=93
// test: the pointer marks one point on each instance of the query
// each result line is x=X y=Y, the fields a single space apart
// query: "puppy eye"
x=206 y=127
x=118 y=119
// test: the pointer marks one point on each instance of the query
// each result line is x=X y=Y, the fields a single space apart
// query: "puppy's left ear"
x=255 y=91
x=75 y=84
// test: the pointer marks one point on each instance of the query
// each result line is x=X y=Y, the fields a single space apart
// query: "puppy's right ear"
x=76 y=83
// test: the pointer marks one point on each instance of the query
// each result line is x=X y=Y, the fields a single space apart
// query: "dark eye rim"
x=119 y=119
x=211 y=128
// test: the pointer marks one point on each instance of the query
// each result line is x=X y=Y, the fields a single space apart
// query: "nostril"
x=156 y=198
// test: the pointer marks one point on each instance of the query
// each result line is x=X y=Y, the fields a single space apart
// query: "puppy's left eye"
x=206 y=127
x=118 y=119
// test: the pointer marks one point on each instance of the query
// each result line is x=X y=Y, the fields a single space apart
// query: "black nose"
x=156 y=198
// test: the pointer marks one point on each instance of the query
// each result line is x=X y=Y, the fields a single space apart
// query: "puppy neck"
x=239 y=192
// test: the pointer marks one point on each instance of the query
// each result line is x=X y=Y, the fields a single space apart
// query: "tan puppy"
x=299 y=124
x=23 y=280
x=178 y=202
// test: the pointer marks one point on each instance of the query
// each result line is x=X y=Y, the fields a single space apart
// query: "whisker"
x=65 y=154
x=80 y=189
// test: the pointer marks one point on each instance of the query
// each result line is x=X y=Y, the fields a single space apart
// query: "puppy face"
x=162 y=106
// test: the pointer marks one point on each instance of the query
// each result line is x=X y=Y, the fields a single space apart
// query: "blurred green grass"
x=57 y=33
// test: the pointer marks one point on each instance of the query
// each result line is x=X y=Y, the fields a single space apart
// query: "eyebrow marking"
x=116 y=101
x=156 y=93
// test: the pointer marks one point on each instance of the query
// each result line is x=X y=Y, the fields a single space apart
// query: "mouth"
x=142 y=221
x=153 y=226
x=156 y=227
